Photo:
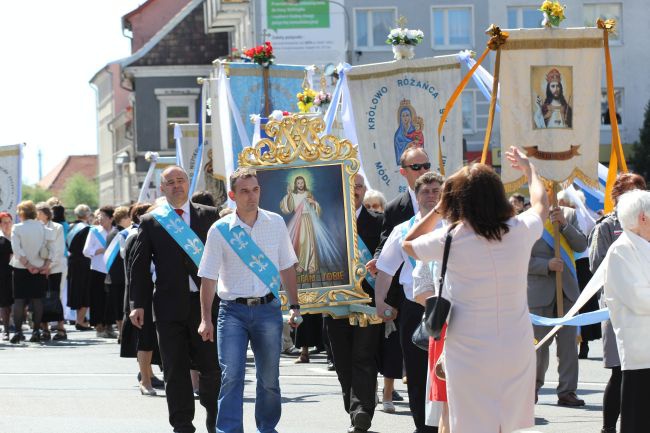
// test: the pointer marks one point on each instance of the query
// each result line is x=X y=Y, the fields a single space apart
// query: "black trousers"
x=635 y=401
x=181 y=347
x=98 y=299
x=415 y=361
x=355 y=350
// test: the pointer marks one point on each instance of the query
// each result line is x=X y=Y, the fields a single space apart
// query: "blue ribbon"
x=584 y=319
x=365 y=256
x=548 y=238
x=405 y=229
x=249 y=253
x=331 y=110
x=72 y=233
x=179 y=231
x=111 y=252
x=99 y=236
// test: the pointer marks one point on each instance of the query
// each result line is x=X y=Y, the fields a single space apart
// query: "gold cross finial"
x=401 y=22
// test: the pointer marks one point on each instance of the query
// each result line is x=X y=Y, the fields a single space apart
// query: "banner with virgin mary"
x=550 y=93
x=397 y=105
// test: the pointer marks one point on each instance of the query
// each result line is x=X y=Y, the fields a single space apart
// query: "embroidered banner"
x=10 y=177
x=398 y=105
x=550 y=91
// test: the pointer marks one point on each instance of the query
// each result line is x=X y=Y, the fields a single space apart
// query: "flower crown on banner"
x=553 y=13
x=402 y=36
x=261 y=54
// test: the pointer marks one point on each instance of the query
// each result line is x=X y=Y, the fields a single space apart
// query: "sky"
x=50 y=51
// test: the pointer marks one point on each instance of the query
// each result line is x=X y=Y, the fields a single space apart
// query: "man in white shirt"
x=427 y=192
x=250 y=310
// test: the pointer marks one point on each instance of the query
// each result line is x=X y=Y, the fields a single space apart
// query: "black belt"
x=251 y=302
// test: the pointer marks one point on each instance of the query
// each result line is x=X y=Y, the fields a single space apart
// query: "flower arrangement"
x=553 y=13
x=322 y=98
x=306 y=100
x=262 y=54
x=401 y=36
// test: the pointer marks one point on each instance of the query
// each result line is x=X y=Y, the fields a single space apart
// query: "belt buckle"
x=253 y=302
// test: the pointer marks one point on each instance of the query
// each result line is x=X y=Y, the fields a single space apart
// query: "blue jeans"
x=262 y=326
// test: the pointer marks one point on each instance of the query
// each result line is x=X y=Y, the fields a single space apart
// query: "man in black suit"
x=355 y=347
x=414 y=162
x=176 y=304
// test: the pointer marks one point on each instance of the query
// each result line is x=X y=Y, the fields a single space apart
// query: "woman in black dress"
x=79 y=267
x=32 y=246
x=6 y=296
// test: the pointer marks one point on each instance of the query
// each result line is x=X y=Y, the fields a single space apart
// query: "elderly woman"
x=79 y=266
x=490 y=358
x=6 y=296
x=627 y=293
x=375 y=201
x=603 y=235
x=33 y=248
x=57 y=268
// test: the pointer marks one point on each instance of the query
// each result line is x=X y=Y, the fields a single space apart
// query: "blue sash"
x=76 y=229
x=249 y=253
x=179 y=231
x=112 y=251
x=584 y=319
x=405 y=229
x=98 y=234
x=365 y=256
x=565 y=250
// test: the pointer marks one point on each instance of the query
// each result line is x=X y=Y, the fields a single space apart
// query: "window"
x=524 y=17
x=604 y=107
x=176 y=106
x=592 y=12
x=372 y=27
x=469 y=114
x=453 y=27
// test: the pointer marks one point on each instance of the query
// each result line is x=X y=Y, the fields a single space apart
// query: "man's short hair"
x=427 y=179
x=519 y=197
x=408 y=151
x=241 y=173
x=107 y=210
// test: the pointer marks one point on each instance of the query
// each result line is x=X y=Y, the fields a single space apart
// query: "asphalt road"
x=83 y=386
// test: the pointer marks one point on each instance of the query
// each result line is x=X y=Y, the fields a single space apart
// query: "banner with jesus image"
x=397 y=105
x=550 y=90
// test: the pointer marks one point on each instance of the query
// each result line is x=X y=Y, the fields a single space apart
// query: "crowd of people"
x=185 y=286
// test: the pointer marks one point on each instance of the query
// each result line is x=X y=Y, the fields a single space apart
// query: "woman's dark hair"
x=137 y=210
x=476 y=195
x=107 y=210
x=58 y=213
x=203 y=197
x=627 y=182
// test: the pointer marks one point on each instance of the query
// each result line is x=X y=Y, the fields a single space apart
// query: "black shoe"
x=17 y=338
x=36 y=337
x=79 y=327
x=330 y=366
x=60 y=335
x=608 y=430
x=46 y=336
x=570 y=399
x=157 y=383
x=397 y=397
x=584 y=350
x=361 y=422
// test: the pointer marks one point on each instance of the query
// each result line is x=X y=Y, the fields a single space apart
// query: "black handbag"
x=434 y=304
x=52 y=307
x=437 y=309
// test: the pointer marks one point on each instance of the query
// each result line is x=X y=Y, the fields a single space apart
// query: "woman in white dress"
x=490 y=354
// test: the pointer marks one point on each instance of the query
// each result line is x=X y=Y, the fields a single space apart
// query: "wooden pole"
x=266 y=86
x=559 y=293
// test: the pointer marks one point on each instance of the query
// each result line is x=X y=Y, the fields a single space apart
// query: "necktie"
x=179 y=212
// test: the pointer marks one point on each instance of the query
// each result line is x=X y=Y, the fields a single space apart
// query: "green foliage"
x=80 y=190
x=640 y=157
x=34 y=193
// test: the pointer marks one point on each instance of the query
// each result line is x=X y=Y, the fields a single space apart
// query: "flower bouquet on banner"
x=404 y=41
x=553 y=13
x=262 y=55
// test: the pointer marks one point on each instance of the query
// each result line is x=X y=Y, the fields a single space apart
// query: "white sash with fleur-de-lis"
x=179 y=231
x=252 y=256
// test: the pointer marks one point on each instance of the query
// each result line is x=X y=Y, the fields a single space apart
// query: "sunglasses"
x=418 y=167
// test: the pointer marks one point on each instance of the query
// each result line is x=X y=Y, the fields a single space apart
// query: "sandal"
x=302 y=359
x=46 y=335
x=60 y=335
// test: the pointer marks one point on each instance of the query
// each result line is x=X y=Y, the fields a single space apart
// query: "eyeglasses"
x=418 y=167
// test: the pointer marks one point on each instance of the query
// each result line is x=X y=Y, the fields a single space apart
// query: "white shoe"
x=389 y=407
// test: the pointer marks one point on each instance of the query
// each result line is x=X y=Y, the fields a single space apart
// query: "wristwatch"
x=294 y=307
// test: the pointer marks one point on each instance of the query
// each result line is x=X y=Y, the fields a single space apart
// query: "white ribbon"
x=152 y=157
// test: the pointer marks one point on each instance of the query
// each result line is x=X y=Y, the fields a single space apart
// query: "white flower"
x=394 y=33
x=276 y=115
x=420 y=34
x=411 y=34
x=254 y=118
x=402 y=33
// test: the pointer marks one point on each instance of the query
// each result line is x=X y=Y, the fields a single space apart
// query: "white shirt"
x=414 y=202
x=90 y=249
x=393 y=255
x=186 y=218
x=235 y=279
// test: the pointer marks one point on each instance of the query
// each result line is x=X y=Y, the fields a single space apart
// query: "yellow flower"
x=558 y=10
x=547 y=5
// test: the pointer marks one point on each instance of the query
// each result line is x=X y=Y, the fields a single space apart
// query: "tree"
x=80 y=190
x=34 y=193
x=640 y=157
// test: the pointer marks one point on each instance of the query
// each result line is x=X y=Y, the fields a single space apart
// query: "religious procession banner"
x=550 y=91
x=250 y=89
x=187 y=147
x=10 y=177
x=397 y=105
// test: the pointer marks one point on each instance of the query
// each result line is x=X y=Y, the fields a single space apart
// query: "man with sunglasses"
x=414 y=162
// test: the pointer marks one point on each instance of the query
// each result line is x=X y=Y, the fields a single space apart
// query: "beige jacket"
x=28 y=239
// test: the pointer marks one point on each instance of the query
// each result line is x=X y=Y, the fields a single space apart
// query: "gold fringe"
x=513 y=186
x=540 y=44
x=10 y=152
x=412 y=69
x=257 y=72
